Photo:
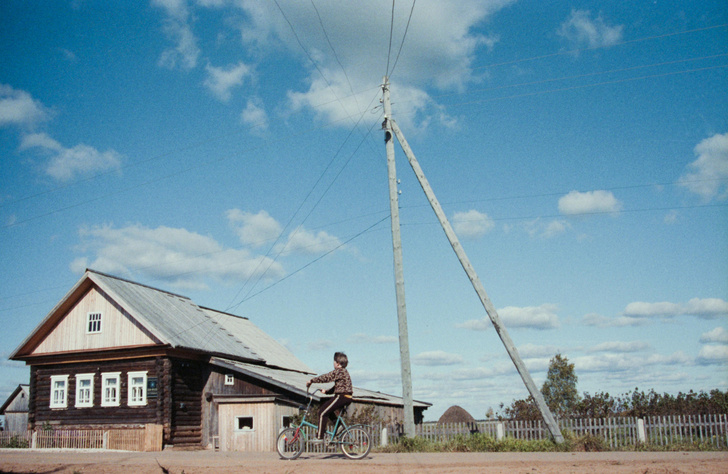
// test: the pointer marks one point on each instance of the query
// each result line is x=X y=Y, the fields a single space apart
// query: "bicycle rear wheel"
x=289 y=445
x=355 y=443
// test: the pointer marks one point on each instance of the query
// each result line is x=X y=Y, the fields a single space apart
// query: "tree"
x=559 y=389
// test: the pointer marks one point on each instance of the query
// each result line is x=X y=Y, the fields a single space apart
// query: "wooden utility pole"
x=470 y=271
x=404 y=355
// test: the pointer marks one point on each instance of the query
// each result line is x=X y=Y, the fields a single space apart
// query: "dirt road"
x=208 y=462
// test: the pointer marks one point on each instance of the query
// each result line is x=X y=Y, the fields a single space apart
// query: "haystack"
x=456 y=414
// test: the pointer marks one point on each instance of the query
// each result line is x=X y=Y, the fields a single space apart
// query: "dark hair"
x=341 y=358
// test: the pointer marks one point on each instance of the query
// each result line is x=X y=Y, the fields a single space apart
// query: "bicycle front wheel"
x=355 y=443
x=290 y=445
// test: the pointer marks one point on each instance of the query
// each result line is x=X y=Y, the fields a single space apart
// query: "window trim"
x=131 y=387
x=92 y=324
x=117 y=400
x=90 y=402
x=59 y=404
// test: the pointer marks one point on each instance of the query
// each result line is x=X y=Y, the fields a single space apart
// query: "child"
x=342 y=391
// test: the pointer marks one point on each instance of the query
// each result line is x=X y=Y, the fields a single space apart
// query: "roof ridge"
x=125 y=280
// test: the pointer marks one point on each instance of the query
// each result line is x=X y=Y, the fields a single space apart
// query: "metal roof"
x=175 y=320
x=296 y=382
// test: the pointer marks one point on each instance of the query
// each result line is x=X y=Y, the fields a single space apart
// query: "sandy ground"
x=208 y=462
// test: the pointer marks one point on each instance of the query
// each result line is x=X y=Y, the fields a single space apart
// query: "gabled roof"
x=175 y=321
x=22 y=388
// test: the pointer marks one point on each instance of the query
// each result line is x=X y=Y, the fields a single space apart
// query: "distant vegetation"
x=559 y=392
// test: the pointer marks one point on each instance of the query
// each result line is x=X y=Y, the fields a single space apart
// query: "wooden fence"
x=148 y=438
x=617 y=432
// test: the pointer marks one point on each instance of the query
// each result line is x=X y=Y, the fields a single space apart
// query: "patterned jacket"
x=341 y=379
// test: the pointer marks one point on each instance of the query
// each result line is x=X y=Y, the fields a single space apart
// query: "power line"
x=389 y=50
x=368 y=229
x=233 y=306
x=574 y=51
x=403 y=38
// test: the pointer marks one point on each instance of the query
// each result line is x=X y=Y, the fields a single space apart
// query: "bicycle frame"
x=353 y=440
x=331 y=433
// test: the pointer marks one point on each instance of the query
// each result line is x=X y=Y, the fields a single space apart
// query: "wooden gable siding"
x=119 y=329
x=42 y=414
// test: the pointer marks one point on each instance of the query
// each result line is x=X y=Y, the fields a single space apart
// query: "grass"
x=483 y=443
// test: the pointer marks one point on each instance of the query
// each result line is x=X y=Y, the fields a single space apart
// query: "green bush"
x=14 y=442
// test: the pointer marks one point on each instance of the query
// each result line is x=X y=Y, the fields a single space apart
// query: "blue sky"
x=231 y=151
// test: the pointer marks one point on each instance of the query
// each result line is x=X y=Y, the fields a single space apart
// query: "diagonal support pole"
x=479 y=289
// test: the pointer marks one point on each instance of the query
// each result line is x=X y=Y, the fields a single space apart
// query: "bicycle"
x=353 y=440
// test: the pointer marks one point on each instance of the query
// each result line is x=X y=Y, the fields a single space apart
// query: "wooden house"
x=15 y=410
x=118 y=354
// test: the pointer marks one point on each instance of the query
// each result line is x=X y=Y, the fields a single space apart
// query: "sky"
x=231 y=151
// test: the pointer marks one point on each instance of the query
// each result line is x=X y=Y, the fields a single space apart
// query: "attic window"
x=93 y=325
x=229 y=379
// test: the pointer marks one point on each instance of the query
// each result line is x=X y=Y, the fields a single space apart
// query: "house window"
x=93 y=325
x=229 y=379
x=84 y=390
x=110 y=383
x=286 y=421
x=137 y=388
x=243 y=423
x=59 y=391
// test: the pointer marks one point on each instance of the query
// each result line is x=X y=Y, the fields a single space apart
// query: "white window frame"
x=107 y=401
x=229 y=379
x=244 y=430
x=59 y=395
x=95 y=325
x=137 y=393
x=81 y=400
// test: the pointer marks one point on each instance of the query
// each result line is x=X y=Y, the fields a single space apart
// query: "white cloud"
x=535 y=317
x=254 y=229
x=533 y=351
x=718 y=334
x=619 y=346
x=576 y=203
x=609 y=362
x=255 y=116
x=707 y=308
x=177 y=28
x=320 y=345
x=302 y=241
x=360 y=338
x=18 y=108
x=220 y=81
x=540 y=228
x=176 y=256
x=583 y=31
x=472 y=224
x=437 y=358
x=65 y=163
x=439 y=50
x=713 y=354
x=597 y=320
x=707 y=175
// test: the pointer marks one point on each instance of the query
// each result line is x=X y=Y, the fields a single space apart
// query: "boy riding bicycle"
x=342 y=391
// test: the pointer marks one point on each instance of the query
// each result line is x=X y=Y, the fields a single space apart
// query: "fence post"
x=500 y=431
x=105 y=443
x=34 y=439
x=641 y=435
x=384 y=441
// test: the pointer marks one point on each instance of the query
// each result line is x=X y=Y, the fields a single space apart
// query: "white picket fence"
x=617 y=432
